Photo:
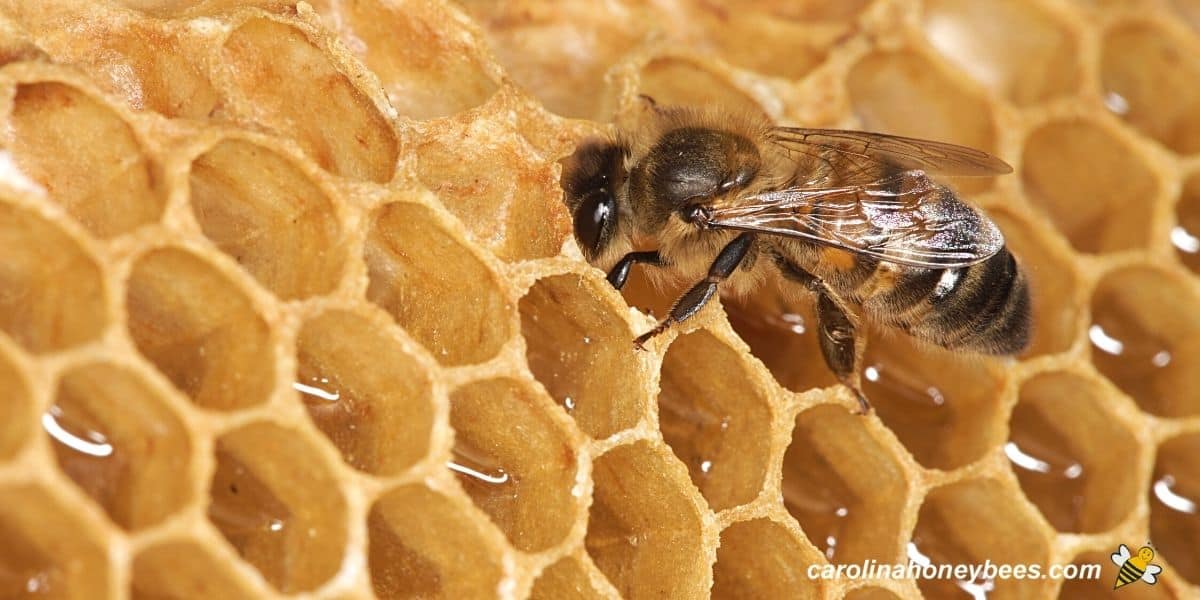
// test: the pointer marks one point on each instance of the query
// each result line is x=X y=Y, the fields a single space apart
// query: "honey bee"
x=853 y=217
x=1133 y=568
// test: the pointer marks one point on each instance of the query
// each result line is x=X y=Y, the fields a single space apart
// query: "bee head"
x=590 y=181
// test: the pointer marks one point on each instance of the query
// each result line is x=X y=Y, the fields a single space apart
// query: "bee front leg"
x=620 y=272
x=839 y=344
x=695 y=298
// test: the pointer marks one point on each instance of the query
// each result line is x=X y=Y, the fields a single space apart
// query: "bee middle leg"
x=836 y=333
x=840 y=347
x=695 y=298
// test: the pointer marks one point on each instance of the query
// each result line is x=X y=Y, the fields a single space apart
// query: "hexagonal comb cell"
x=1138 y=61
x=441 y=293
x=564 y=580
x=761 y=559
x=1145 y=336
x=781 y=333
x=424 y=546
x=200 y=330
x=1093 y=185
x=972 y=521
x=179 y=570
x=47 y=551
x=582 y=353
x=265 y=212
x=53 y=293
x=812 y=10
x=421 y=54
x=114 y=437
x=1102 y=587
x=944 y=407
x=671 y=80
x=364 y=392
x=522 y=475
x=560 y=51
x=352 y=139
x=148 y=64
x=843 y=487
x=906 y=93
x=1065 y=449
x=1015 y=48
x=277 y=503
x=643 y=532
x=1175 y=505
x=85 y=157
x=782 y=48
x=485 y=174
x=16 y=412
x=1185 y=236
x=1053 y=285
x=713 y=416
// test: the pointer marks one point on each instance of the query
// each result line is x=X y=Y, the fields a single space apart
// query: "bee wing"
x=866 y=152
x=906 y=219
x=1151 y=574
x=1121 y=555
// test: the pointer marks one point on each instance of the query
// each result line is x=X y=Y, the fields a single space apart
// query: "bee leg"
x=694 y=299
x=620 y=272
x=840 y=346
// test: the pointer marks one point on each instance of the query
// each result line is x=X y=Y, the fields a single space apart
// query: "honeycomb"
x=290 y=305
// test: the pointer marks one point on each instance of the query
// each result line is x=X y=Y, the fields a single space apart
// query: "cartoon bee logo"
x=1135 y=567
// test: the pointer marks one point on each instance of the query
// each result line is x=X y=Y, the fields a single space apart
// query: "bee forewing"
x=915 y=222
x=863 y=149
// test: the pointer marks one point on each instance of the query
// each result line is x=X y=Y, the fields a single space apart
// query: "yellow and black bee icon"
x=1135 y=567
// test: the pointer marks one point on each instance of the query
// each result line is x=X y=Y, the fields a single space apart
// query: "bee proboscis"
x=853 y=217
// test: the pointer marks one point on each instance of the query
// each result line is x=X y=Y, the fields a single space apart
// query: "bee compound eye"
x=593 y=220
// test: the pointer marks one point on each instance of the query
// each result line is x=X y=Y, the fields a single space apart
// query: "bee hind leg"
x=840 y=346
x=695 y=298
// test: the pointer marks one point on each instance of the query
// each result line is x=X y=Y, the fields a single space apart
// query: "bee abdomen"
x=983 y=308
x=1128 y=574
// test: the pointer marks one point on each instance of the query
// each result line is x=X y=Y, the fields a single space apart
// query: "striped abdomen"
x=983 y=308
x=1128 y=574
